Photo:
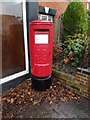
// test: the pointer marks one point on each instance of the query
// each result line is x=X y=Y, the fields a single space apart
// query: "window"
x=14 y=41
x=50 y=18
x=45 y=17
x=88 y=5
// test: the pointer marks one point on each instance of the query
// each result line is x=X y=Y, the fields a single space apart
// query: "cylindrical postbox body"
x=41 y=40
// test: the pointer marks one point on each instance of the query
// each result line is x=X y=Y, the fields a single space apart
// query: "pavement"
x=71 y=109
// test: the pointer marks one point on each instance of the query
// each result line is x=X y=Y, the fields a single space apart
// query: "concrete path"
x=70 y=109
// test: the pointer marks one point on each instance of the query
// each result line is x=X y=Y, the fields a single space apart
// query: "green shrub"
x=76 y=51
x=75 y=19
x=88 y=27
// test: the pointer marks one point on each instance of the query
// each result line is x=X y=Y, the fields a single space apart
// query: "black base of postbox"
x=41 y=84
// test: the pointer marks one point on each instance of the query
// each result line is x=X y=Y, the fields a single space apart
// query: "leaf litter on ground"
x=16 y=100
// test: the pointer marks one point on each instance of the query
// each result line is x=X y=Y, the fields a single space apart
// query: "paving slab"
x=70 y=109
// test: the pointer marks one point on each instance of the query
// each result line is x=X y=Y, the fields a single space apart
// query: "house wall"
x=60 y=7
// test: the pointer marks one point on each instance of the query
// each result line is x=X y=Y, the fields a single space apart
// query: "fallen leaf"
x=12 y=101
x=29 y=93
x=65 y=98
x=20 y=102
x=31 y=99
x=20 y=109
x=73 y=95
x=50 y=102
x=36 y=102
x=0 y=99
x=69 y=92
x=78 y=97
x=12 y=115
x=75 y=98
x=62 y=99
x=23 y=95
x=8 y=100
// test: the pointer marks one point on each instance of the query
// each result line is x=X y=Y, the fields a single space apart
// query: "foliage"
x=57 y=51
x=88 y=26
x=76 y=34
x=76 y=50
x=75 y=19
x=73 y=52
x=88 y=35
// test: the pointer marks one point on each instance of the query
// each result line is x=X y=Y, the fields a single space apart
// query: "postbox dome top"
x=41 y=22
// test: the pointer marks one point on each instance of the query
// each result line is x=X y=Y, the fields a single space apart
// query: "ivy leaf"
x=74 y=64
x=77 y=60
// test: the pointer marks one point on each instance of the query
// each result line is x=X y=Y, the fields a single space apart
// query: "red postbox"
x=41 y=40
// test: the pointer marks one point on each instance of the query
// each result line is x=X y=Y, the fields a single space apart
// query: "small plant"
x=57 y=51
x=75 y=51
x=57 y=55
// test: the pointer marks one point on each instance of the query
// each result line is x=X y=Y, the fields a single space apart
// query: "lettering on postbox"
x=42 y=48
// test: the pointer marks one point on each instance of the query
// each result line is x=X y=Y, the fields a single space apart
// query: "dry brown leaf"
x=20 y=102
x=75 y=98
x=31 y=99
x=73 y=95
x=8 y=100
x=36 y=102
x=62 y=99
x=78 y=97
x=20 y=109
x=0 y=98
x=12 y=100
x=50 y=102
x=65 y=98
x=12 y=115
x=29 y=93
x=21 y=96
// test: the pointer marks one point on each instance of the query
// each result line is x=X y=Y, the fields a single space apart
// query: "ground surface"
x=56 y=102
x=70 y=109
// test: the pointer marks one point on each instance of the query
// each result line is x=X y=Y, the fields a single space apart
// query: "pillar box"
x=41 y=41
